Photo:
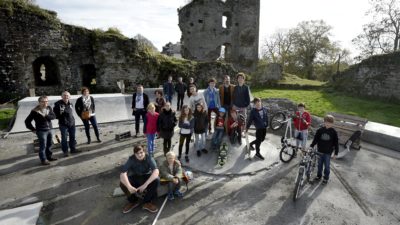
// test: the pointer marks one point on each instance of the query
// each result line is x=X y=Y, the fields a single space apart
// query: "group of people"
x=63 y=109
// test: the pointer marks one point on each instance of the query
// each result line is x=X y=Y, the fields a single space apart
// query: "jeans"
x=303 y=143
x=182 y=139
x=179 y=104
x=167 y=145
x=217 y=138
x=324 y=159
x=260 y=137
x=168 y=98
x=199 y=141
x=174 y=187
x=140 y=113
x=150 y=143
x=45 y=142
x=137 y=181
x=72 y=142
x=93 y=121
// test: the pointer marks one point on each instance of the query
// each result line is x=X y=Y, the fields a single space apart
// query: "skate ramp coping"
x=382 y=135
x=25 y=215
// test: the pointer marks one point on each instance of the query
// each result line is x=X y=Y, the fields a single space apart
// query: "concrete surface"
x=383 y=135
x=24 y=215
x=363 y=189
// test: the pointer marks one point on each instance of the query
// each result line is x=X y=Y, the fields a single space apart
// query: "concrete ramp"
x=25 y=215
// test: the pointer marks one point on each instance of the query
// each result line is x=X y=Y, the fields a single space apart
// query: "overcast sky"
x=157 y=20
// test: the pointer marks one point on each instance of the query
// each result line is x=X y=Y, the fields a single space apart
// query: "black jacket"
x=166 y=123
x=241 y=96
x=327 y=140
x=255 y=117
x=180 y=88
x=64 y=113
x=41 y=122
x=145 y=101
x=200 y=122
x=79 y=107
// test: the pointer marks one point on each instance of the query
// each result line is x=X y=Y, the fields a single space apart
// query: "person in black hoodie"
x=165 y=124
x=42 y=114
x=140 y=101
x=66 y=122
x=327 y=141
x=200 y=129
x=86 y=103
x=259 y=116
x=180 y=89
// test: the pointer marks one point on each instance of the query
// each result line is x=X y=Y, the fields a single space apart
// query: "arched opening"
x=46 y=71
x=88 y=74
x=226 y=20
x=226 y=52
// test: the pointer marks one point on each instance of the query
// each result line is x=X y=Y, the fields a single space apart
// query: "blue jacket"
x=168 y=89
x=206 y=95
x=255 y=117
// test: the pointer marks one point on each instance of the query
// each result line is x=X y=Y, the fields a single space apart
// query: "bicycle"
x=288 y=149
x=306 y=169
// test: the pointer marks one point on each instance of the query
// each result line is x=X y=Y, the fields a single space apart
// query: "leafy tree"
x=382 y=35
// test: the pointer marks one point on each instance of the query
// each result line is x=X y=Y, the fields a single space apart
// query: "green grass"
x=5 y=117
x=319 y=102
x=290 y=79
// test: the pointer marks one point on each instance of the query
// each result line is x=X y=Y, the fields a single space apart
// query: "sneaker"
x=204 y=151
x=187 y=158
x=150 y=207
x=128 y=207
x=259 y=156
x=325 y=181
x=52 y=159
x=198 y=153
x=178 y=194
x=45 y=163
x=317 y=178
x=170 y=196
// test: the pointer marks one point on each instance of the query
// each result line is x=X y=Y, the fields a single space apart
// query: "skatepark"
x=363 y=188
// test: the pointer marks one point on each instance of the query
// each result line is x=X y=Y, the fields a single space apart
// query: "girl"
x=186 y=123
x=165 y=124
x=151 y=127
x=200 y=128
x=160 y=101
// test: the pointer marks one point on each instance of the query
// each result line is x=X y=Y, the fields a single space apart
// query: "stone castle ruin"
x=216 y=29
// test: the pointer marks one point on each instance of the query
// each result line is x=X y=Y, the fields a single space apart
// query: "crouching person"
x=142 y=179
x=171 y=171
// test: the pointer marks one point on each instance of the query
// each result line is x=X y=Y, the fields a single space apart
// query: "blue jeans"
x=150 y=143
x=199 y=141
x=217 y=138
x=94 y=125
x=324 y=159
x=168 y=98
x=45 y=142
x=71 y=142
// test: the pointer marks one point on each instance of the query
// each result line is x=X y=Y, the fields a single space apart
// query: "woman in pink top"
x=151 y=127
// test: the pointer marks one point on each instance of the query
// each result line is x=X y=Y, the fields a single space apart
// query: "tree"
x=278 y=47
x=145 y=43
x=383 y=34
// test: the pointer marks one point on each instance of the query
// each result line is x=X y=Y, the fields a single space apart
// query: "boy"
x=219 y=129
x=301 y=122
x=211 y=96
x=234 y=125
x=259 y=116
x=326 y=140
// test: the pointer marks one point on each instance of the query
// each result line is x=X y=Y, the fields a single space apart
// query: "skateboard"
x=223 y=154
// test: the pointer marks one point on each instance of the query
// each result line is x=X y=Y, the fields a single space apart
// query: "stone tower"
x=217 y=29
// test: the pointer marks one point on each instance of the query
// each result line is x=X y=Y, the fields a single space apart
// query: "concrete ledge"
x=382 y=135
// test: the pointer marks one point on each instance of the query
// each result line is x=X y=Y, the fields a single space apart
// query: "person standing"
x=42 y=114
x=259 y=116
x=66 y=121
x=301 y=122
x=241 y=96
x=165 y=125
x=226 y=93
x=140 y=175
x=168 y=89
x=211 y=96
x=160 y=101
x=180 y=89
x=140 y=101
x=186 y=124
x=200 y=129
x=151 y=127
x=191 y=83
x=85 y=109
x=196 y=98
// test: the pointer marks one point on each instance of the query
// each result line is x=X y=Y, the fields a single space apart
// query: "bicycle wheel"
x=286 y=154
x=299 y=180
x=277 y=120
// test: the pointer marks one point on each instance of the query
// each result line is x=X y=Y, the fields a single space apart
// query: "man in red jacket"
x=301 y=122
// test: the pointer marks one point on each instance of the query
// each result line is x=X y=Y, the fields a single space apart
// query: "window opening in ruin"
x=226 y=20
x=46 y=71
x=88 y=74
x=226 y=51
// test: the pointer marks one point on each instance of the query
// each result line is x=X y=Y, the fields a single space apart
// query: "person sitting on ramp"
x=171 y=171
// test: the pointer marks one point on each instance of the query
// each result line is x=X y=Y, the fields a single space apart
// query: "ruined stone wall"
x=377 y=76
x=204 y=34
x=73 y=56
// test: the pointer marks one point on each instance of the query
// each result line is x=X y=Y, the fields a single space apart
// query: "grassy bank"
x=319 y=102
x=5 y=117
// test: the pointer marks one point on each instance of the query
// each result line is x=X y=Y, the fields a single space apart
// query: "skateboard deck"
x=222 y=154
